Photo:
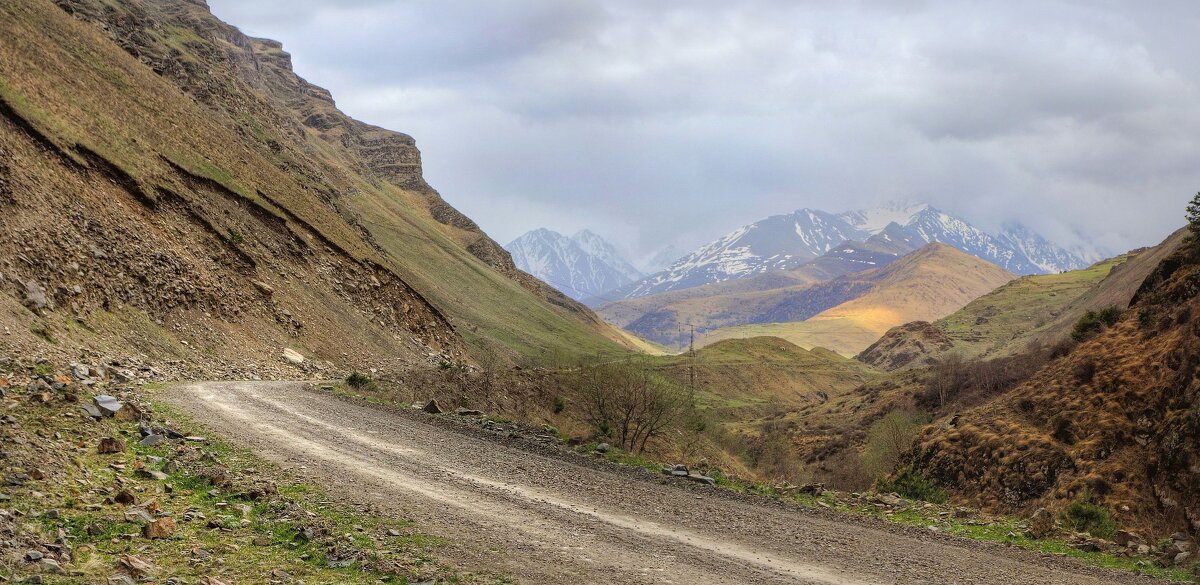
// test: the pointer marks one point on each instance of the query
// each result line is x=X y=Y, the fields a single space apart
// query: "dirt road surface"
x=559 y=519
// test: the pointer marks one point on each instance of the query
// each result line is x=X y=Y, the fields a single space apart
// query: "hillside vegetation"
x=177 y=182
x=1115 y=423
x=1031 y=310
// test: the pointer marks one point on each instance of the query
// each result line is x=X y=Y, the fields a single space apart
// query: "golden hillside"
x=925 y=285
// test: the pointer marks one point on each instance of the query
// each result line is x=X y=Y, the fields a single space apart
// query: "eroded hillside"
x=1117 y=421
x=171 y=187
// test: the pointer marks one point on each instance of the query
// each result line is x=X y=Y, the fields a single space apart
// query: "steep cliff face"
x=159 y=33
x=168 y=179
x=1116 y=420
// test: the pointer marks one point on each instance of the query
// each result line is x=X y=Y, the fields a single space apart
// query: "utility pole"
x=692 y=364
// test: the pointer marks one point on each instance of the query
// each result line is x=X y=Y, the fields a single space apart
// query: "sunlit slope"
x=925 y=285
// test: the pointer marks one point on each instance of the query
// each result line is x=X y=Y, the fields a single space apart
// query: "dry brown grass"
x=1116 y=418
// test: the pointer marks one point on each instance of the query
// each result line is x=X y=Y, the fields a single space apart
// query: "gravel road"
x=553 y=518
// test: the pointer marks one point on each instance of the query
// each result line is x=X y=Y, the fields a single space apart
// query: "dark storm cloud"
x=673 y=122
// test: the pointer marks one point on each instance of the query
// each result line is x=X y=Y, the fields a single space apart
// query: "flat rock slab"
x=108 y=405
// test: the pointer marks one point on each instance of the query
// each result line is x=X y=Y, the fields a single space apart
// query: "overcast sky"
x=673 y=122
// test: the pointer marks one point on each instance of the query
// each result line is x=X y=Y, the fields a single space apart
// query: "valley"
x=244 y=339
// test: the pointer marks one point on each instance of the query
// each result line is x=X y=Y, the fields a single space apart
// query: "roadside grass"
x=939 y=518
x=232 y=532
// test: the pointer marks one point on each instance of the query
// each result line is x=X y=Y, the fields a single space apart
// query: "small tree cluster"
x=889 y=438
x=627 y=403
x=1193 y=216
x=1094 y=321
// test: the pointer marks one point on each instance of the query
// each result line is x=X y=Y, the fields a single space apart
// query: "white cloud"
x=671 y=122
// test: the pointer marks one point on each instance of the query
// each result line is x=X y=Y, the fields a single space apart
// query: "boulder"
x=152 y=440
x=108 y=405
x=110 y=445
x=1041 y=524
x=603 y=448
x=432 y=407
x=292 y=356
x=138 y=515
x=892 y=500
x=137 y=566
x=48 y=565
x=702 y=479
x=91 y=411
x=35 y=296
x=80 y=371
x=160 y=528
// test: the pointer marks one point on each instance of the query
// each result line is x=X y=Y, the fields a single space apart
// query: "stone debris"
x=152 y=440
x=159 y=528
x=292 y=356
x=681 y=471
x=108 y=405
x=110 y=445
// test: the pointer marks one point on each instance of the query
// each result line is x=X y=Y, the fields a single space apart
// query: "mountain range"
x=783 y=242
x=582 y=266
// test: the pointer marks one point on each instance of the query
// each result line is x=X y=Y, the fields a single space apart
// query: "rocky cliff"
x=170 y=186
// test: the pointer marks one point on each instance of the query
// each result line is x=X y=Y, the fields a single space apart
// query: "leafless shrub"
x=628 y=403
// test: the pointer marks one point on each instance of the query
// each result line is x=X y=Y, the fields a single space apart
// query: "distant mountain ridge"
x=783 y=242
x=582 y=266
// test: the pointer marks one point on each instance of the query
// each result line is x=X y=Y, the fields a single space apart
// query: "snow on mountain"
x=599 y=248
x=873 y=220
x=786 y=241
x=583 y=266
x=661 y=259
x=776 y=243
x=1041 y=253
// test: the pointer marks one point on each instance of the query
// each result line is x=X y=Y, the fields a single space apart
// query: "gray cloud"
x=672 y=122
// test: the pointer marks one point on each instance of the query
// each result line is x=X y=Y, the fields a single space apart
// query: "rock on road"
x=544 y=518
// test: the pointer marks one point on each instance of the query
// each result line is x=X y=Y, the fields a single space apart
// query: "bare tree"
x=628 y=403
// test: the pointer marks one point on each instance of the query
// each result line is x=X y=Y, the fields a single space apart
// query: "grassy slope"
x=992 y=322
x=78 y=88
x=484 y=305
x=926 y=285
x=741 y=381
x=744 y=300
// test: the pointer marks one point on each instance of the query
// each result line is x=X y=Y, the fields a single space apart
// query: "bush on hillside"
x=909 y=483
x=888 y=438
x=1093 y=322
x=1083 y=515
x=958 y=380
x=359 y=380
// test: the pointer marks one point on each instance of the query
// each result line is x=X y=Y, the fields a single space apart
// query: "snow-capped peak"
x=874 y=219
x=582 y=267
